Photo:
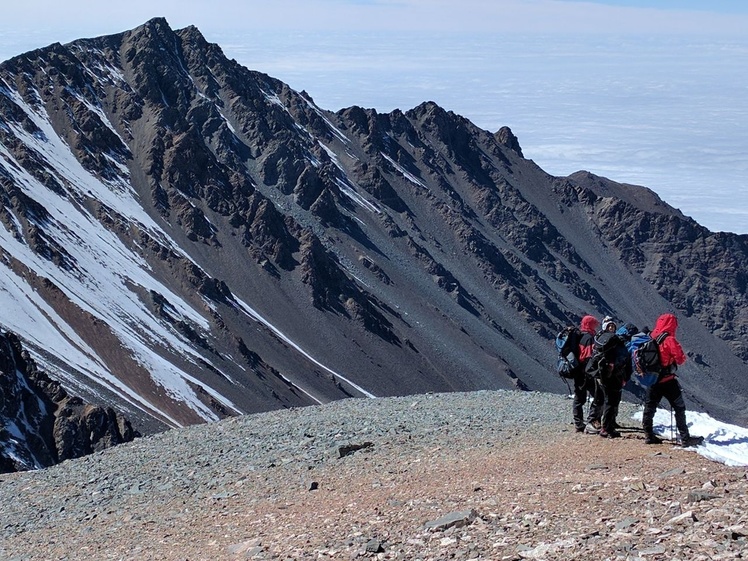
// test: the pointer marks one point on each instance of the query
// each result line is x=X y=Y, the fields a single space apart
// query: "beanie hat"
x=607 y=322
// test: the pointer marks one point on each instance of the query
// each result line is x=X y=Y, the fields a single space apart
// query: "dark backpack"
x=645 y=358
x=610 y=358
x=567 y=345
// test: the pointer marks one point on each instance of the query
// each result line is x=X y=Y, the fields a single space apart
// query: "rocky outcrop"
x=42 y=424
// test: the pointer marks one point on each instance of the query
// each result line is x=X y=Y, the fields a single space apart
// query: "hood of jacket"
x=589 y=324
x=666 y=322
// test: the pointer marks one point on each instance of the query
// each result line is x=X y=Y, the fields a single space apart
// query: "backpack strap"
x=661 y=337
x=666 y=373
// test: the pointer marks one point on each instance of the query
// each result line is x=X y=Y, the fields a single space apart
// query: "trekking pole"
x=672 y=433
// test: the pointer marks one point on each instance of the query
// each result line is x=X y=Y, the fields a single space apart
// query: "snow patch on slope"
x=724 y=443
x=87 y=278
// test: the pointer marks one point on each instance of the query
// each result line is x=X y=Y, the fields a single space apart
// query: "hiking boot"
x=579 y=429
x=592 y=429
x=652 y=439
x=691 y=441
x=610 y=434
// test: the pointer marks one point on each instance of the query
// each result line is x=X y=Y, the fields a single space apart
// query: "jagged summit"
x=506 y=137
x=188 y=239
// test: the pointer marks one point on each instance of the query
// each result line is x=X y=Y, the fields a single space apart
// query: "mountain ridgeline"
x=184 y=239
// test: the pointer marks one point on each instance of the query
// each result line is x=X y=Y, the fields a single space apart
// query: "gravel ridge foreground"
x=478 y=475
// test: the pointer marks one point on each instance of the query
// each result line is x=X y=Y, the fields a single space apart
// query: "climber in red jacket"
x=667 y=386
x=583 y=385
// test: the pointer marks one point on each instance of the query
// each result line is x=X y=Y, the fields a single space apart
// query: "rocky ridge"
x=201 y=241
x=40 y=423
x=482 y=475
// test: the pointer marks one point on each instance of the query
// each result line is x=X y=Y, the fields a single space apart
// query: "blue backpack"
x=626 y=332
x=645 y=358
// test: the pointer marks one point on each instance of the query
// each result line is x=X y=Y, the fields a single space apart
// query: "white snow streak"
x=409 y=176
x=251 y=312
x=335 y=130
x=346 y=186
x=94 y=109
x=347 y=190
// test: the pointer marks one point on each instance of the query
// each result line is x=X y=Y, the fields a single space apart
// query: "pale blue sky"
x=606 y=16
x=720 y=6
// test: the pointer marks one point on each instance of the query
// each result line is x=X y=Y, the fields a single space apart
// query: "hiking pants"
x=671 y=391
x=584 y=386
x=612 y=390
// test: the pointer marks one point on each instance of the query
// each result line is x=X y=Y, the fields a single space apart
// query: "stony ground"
x=486 y=475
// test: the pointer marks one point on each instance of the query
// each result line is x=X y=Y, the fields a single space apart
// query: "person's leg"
x=613 y=392
x=595 y=414
x=651 y=401
x=580 y=397
x=674 y=395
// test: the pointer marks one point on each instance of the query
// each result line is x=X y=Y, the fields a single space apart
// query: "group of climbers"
x=603 y=365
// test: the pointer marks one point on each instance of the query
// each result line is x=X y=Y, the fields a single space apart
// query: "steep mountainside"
x=40 y=423
x=187 y=239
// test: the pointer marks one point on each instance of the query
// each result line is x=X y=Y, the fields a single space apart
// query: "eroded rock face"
x=42 y=424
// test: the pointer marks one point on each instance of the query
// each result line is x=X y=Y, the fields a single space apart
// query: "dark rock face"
x=43 y=424
x=200 y=240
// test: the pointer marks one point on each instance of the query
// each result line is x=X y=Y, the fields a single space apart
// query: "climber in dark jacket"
x=583 y=385
x=667 y=386
x=611 y=369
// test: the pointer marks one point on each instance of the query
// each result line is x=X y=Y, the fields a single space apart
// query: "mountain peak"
x=429 y=109
x=158 y=24
x=505 y=137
